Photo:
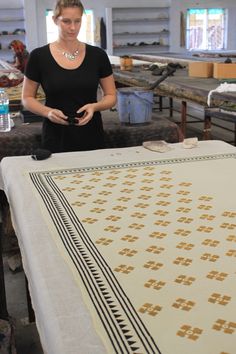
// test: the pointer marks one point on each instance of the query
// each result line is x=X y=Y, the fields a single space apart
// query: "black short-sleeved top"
x=68 y=90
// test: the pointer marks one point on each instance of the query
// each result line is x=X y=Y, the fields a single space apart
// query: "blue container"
x=134 y=105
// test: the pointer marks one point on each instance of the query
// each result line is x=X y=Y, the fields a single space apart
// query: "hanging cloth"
x=103 y=34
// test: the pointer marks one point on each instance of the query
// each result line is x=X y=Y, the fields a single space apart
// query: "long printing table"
x=24 y=138
x=129 y=250
x=180 y=86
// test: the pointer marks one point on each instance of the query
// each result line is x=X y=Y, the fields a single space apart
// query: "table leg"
x=3 y=299
x=171 y=106
x=29 y=304
x=207 y=126
x=183 y=117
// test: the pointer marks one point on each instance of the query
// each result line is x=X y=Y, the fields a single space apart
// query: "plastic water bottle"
x=5 y=121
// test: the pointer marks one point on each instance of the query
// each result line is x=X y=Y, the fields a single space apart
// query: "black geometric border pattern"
x=125 y=329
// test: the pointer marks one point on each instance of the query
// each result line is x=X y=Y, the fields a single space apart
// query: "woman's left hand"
x=87 y=112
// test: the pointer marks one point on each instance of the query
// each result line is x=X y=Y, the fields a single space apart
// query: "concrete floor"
x=26 y=335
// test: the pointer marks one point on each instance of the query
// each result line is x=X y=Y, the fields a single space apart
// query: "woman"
x=21 y=54
x=69 y=72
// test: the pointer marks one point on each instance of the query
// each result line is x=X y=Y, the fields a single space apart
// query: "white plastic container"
x=5 y=121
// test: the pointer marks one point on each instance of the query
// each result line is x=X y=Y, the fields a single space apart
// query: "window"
x=86 y=32
x=206 y=29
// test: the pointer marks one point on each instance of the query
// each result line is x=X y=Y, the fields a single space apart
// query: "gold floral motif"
x=207 y=217
x=183 y=261
x=89 y=220
x=183 y=210
x=165 y=172
x=126 y=190
x=128 y=252
x=138 y=215
x=123 y=268
x=205 y=198
x=163 y=203
x=95 y=180
x=141 y=205
x=119 y=208
x=185 y=220
x=154 y=284
x=192 y=333
x=150 y=309
x=68 y=189
x=158 y=235
x=97 y=210
x=185 y=184
x=226 y=225
x=229 y=214
x=147 y=181
x=204 y=228
x=183 y=192
x=123 y=199
x=184 y=279
x=154 y=249
x=84 y=195
x=219 y=299
x=104 y=193
x=100 y=201
x=164 y=195
x=182 y=232
x=109 y=185
x=185 y=200
x=231 y=253
x=231 y=238
x=136 y=226
x=161 y=212
x=167 y=179
x=204 y=207
x=185 y=246
x=167 y=186
x=113 y=217
x=144 y=196
x=210 y=242
x=78 y=204
x=210 y=257
x=129 y=238
x=183 y=304
x=162 y=223
x=88 y=187
x=220 y=276
x=226 y=327
x=153 y=265
x=104 y=241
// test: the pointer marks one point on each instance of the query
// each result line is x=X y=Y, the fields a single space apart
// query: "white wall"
x=36 y=24
x=36 y=21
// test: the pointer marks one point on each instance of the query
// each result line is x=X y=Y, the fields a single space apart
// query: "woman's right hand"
x=57 y=116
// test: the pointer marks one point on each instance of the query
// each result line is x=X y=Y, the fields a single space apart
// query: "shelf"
x=11 y=34
x=11 y=21
x=140 y=19
x=140 y=33
x=140 y=46
x=128 y=27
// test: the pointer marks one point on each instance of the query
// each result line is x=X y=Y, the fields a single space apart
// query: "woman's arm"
x=108 y=100
x=29 y=101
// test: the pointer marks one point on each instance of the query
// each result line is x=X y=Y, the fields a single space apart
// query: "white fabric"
x=64 y=325
x=225 y=87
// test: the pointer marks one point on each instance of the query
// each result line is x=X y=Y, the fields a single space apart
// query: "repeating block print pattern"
x=165 y=236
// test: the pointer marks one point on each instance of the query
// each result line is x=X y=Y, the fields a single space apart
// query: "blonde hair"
x=61 y=4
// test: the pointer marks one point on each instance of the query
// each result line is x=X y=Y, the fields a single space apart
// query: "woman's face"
x=69 y=23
